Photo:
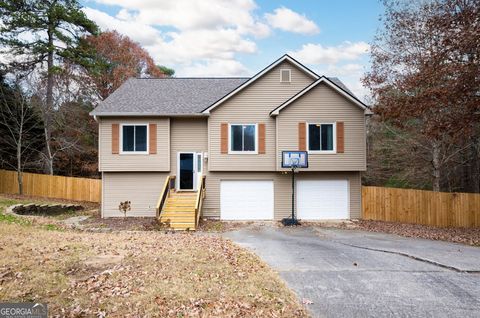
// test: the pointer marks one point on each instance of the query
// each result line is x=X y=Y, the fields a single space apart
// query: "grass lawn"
x=131 y=274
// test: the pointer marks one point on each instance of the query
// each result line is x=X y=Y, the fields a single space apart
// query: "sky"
x=240 y=37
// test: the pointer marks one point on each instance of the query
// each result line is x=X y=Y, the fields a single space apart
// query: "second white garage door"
x=322 y=199
x=246 y=200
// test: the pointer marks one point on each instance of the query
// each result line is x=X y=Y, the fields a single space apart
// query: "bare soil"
x=122 y=223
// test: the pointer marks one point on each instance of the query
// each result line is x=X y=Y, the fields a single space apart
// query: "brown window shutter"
x=340 y=137
x=224 y=138
x=302 y=138
x=115 y=138
x=261 y=138
x=152 y=136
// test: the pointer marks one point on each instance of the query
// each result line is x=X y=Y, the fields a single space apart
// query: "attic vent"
x=285 y=76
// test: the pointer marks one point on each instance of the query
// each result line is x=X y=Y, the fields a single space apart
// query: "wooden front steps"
x=179 y=210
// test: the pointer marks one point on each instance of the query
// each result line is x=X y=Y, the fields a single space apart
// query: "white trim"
x=236 y=152
x=194 y=159
x=198 y=174
x=147 y=139
x=325 y=80
x=140 y=114
x=334 y=128
x=253 y=79
x=289 y=75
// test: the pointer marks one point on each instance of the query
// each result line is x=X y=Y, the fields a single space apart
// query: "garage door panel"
x=246 y=200
x=322 y=199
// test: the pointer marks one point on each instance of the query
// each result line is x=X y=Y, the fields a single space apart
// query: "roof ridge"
x=191 y=77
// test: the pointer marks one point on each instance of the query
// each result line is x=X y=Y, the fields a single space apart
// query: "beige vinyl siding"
x=253 y=105
x=282 y=189
x=142 y=189
x=188 y=135
x=134 y=162
x=356 y=195
x=324 y=105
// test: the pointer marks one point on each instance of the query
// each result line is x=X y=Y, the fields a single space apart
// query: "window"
x=134 y=138
x=199 y=162
x=243 y=138
x=285 y=76
x=321 y=137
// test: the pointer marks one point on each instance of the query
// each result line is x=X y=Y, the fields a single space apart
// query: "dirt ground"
x=122 y=224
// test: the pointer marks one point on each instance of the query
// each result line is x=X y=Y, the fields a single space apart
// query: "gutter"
x=137 y=114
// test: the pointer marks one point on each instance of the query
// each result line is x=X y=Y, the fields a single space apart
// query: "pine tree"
x=41 y=35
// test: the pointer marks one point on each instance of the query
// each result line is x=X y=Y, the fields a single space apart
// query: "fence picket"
x=421 y=207
x=69 y=188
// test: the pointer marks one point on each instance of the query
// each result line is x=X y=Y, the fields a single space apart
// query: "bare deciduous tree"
x=425 y=75
x=21 y=132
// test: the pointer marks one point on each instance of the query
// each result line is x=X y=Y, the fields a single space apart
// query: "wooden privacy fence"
x=43 y=185
x=421 y=207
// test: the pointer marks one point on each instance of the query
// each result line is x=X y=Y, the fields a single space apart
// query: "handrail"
x=163 y=195
x=199 y=200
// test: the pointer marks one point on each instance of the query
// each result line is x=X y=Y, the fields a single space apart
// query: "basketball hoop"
x=293 y=160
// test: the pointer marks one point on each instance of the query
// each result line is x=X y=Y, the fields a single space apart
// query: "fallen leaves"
x=134 y=274
x=469 y=236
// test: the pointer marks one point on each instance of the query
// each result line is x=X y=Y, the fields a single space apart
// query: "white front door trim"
x=195 y=177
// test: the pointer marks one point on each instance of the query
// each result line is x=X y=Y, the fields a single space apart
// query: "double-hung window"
x=243 y=138
x=321 y=138
x=134 y=138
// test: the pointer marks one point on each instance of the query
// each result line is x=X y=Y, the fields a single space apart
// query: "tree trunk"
x=19 y=168
x=49 y=102
x=475 y=165
x=19 y=150
x=436 y=165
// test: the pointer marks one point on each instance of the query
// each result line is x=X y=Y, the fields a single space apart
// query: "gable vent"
x=285 y=76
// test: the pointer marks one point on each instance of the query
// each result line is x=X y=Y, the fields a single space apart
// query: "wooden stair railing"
x=199 y=201
x=169 y=184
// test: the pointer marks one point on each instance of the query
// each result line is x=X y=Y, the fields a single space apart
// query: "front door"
x=186 y=171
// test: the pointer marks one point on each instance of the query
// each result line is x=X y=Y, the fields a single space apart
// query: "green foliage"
x=166 y=70
x=37 y=29
x=8 y=218
x=395 y=182
x=52 y=227
x=12 y=219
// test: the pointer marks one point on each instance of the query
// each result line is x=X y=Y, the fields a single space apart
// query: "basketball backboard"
x=294 y=159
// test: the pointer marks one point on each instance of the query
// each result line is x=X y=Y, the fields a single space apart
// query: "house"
x=179 y=147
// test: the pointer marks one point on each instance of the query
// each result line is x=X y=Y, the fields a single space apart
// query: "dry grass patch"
x=131 y=274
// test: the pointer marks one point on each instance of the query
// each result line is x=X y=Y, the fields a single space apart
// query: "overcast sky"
x=240 y=37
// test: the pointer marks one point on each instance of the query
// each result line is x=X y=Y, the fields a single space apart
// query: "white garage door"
x=322 y=199
x=246 y=200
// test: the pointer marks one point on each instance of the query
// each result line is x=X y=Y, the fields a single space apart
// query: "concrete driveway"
x=348 y=273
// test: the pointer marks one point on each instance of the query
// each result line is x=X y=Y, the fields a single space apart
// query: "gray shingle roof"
x=166 y=96
x=339 y=83
x=171 y=96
